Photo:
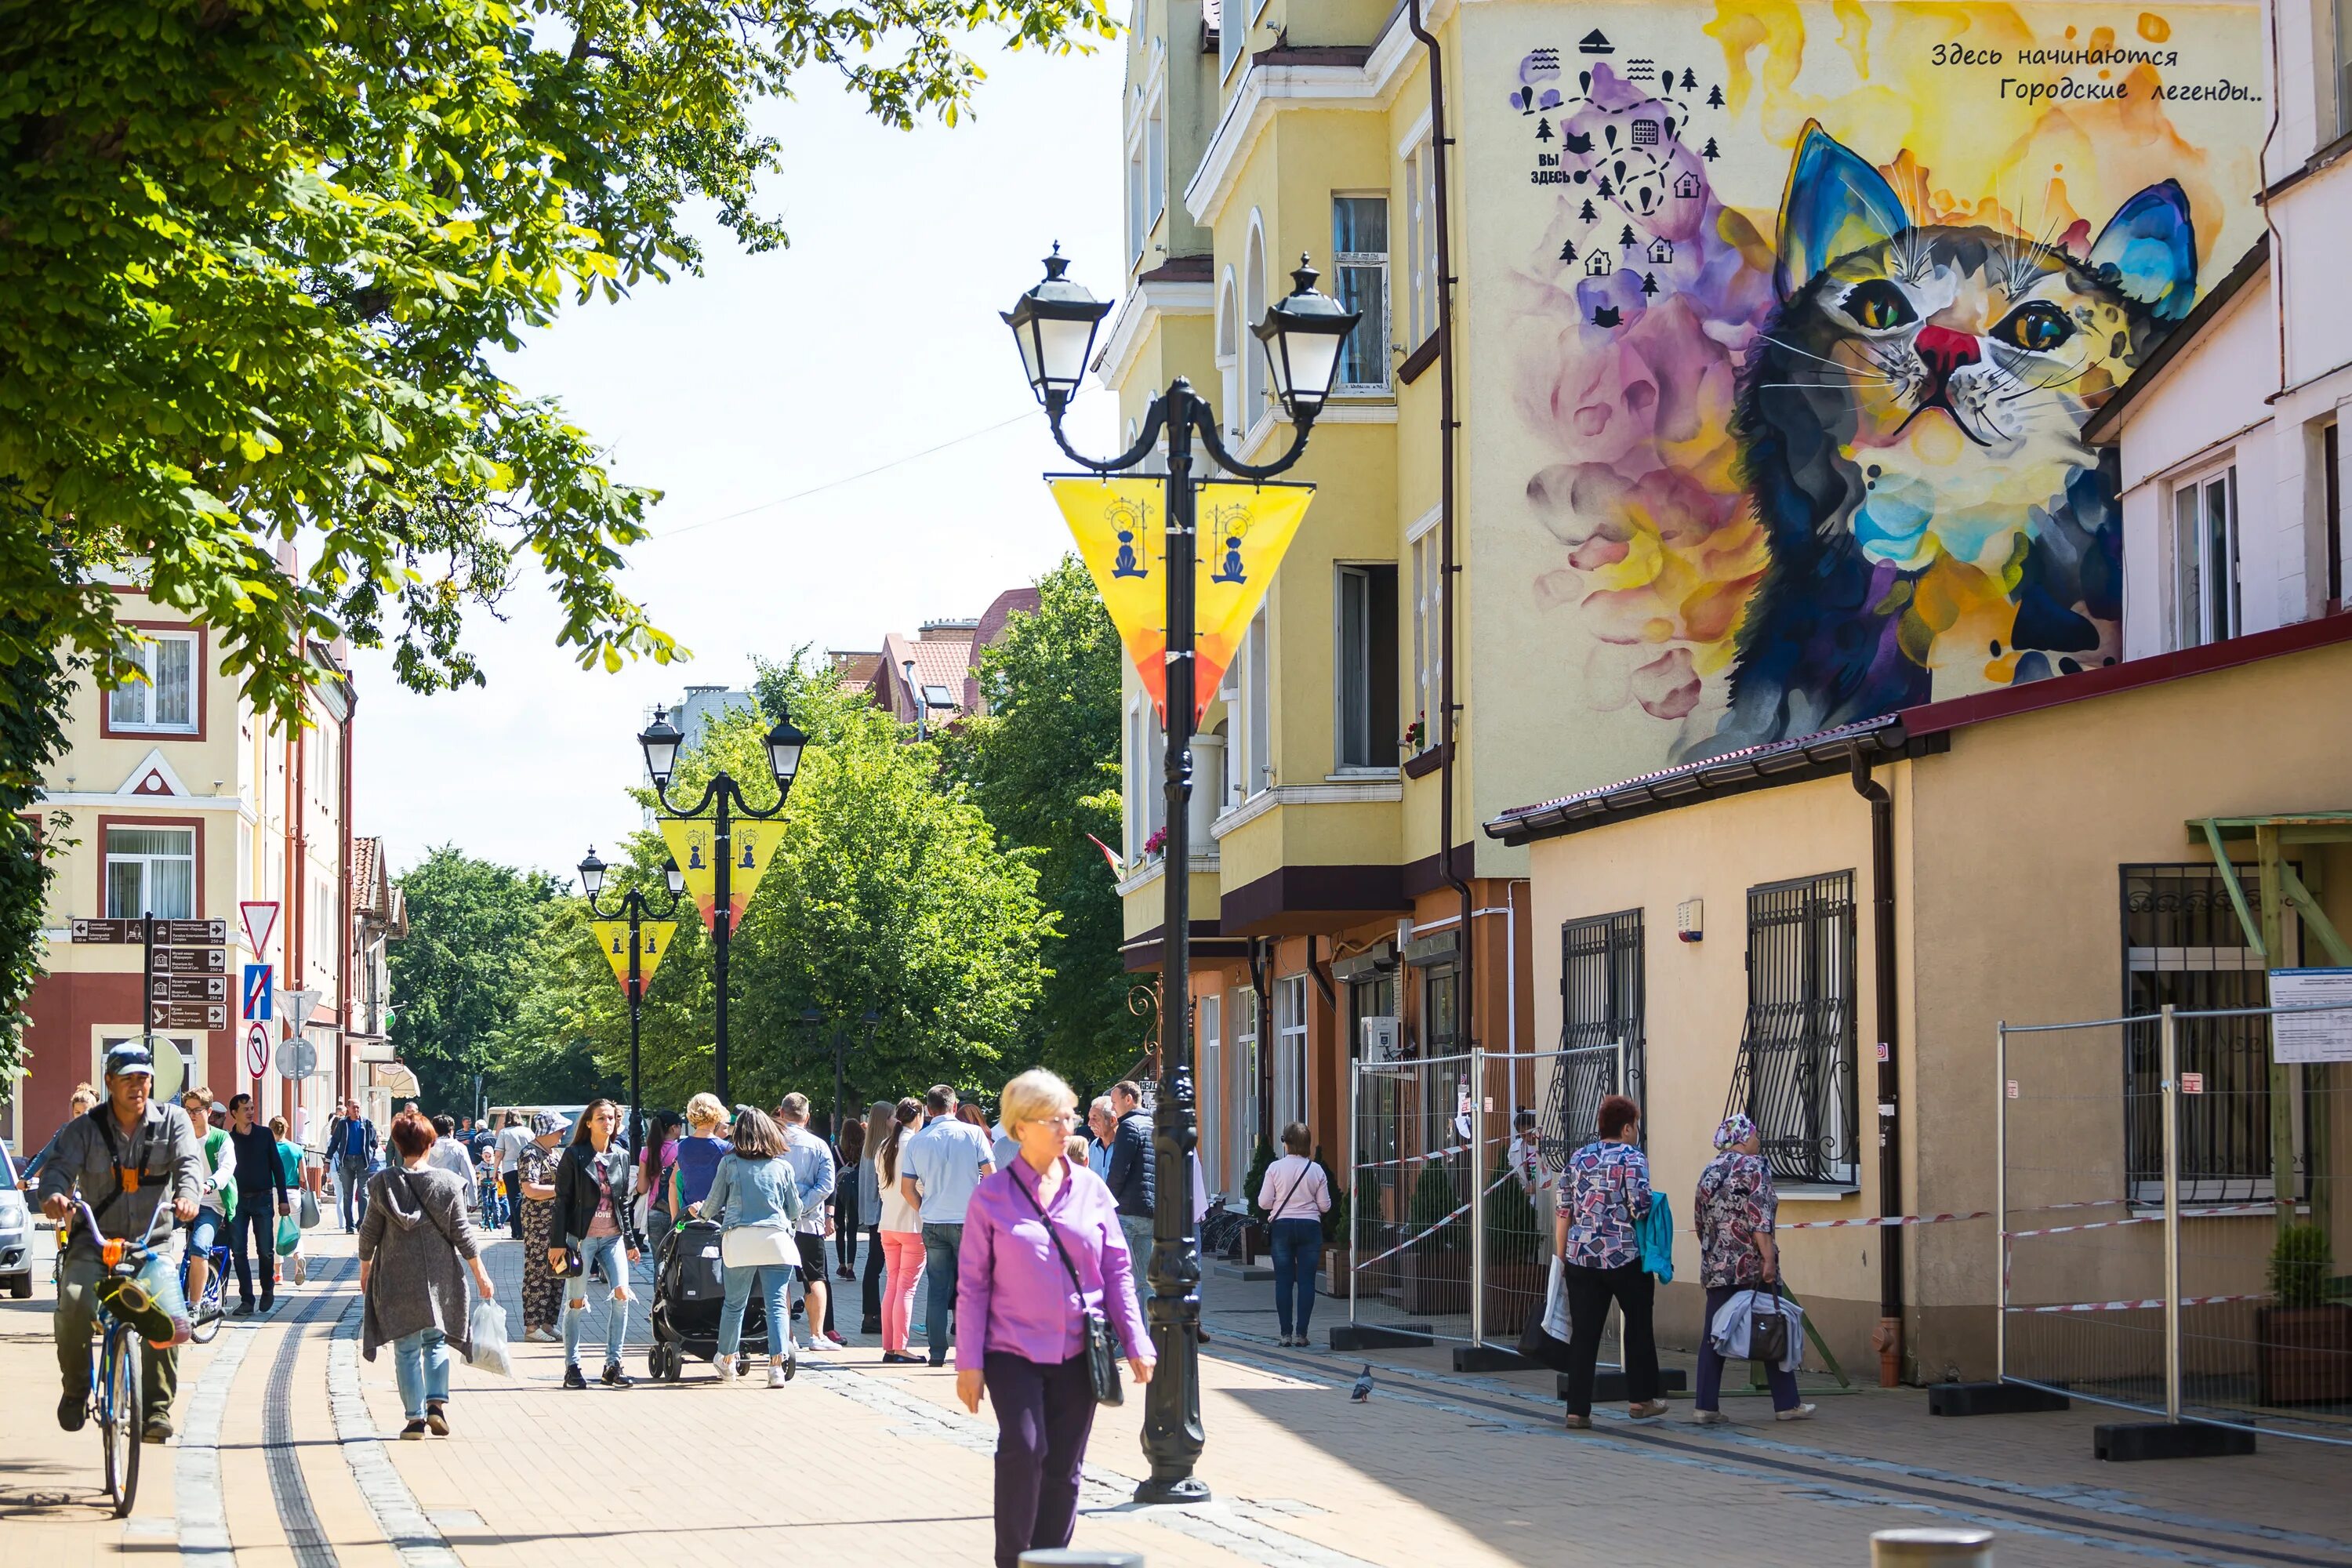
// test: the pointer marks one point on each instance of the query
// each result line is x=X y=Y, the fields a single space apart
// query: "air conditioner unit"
x=1382 y=1048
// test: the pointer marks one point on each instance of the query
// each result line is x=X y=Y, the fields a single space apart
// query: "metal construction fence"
x=2169 y=1204
x=1443 y=1193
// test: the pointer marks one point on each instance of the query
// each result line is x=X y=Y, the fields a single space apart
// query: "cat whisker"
x=1834 y=365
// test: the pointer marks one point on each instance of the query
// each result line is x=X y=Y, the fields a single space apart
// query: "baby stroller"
x=689 y=1293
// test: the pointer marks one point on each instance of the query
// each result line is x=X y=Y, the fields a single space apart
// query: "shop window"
x=151 y=872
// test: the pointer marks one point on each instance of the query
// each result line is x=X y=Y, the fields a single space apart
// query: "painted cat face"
x=1953 y=368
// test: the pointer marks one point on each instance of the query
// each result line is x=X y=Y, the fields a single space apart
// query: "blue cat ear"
x=1836 y=204
x=2149 y=251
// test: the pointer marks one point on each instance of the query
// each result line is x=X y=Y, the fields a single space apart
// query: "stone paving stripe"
x=304 y=1534
x=196 y=1482
x=1236 y=1527
x=411 y=1532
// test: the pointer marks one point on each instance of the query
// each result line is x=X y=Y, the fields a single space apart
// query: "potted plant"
x=2302 y=1341
x=1257 y=1238
x=1434 y=1270
x=1335 y=1242
x=1515 y=1281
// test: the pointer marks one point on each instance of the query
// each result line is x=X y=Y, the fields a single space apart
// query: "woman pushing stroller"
x=753 y=1198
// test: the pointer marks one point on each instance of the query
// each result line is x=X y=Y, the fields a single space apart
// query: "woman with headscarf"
x=1735 y=1207
x=542 y=1288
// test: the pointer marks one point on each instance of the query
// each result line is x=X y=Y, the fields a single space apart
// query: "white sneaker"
x=776 y=1378
x=1795 y=1413
x=727 y=1373
x=1710 y=1418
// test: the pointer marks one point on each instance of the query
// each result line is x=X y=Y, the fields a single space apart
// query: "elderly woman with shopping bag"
x=1734 y=1207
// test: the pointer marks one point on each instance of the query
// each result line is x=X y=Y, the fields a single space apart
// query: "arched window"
x=1229 y=363
x=1253 y=312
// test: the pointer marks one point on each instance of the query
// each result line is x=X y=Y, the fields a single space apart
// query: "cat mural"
x=1909 y=429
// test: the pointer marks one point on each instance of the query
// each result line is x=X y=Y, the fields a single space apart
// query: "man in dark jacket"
x=259 y=1175
x=352 y=1145
x=1130 y=1177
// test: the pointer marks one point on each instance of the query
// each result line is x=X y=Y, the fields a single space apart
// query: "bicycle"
x=206 y=1314
x=114 y=1395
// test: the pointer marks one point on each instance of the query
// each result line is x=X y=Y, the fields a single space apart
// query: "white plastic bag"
x=487 y=1328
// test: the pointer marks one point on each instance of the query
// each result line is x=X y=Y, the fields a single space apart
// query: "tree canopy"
x=459 y=976
x=258 y=258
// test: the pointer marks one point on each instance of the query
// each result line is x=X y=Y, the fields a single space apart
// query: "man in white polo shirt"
x=940 y=1167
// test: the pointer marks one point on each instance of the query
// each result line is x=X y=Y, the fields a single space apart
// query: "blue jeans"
x=1709 y=1394
x=775 y=1282
x=941 y=1244
x=617 y=1313
x=420 y=1361
x=351 y=1191
x=1298 y=1253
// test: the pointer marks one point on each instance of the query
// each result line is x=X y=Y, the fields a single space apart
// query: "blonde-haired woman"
x=878 y=1118
x=698 y=1153
x=899 y=1232
x=1041 y=1251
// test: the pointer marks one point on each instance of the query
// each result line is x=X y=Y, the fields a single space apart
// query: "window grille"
x=1796 y=1072
x=1602 y=1006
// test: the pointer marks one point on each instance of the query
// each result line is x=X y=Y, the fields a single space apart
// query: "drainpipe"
x=1889 y=1338
x=343 y=887
x=1448 y=710
x=1261 y=954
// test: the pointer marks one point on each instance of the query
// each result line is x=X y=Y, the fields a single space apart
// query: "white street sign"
x=297 y=1058
x=298 y=1006
x=259 y=917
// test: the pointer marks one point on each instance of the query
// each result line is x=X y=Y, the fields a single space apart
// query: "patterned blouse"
x=1604 y=1189
x=1736 y=1204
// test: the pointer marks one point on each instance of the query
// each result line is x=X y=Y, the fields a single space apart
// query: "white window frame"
x=1354 y=662
x=147 y=861
x=1420 y=159
x=1291 y=1014
x=1155 y=156
x=1257 y=707
x=1230 y=334
x=1233 y=36
x=1208 y=1032
x=1376 y=324
x=1428 y=638
x=134 y=705
x=2199 y=615
x=1257 y=404
x=1243 y=1145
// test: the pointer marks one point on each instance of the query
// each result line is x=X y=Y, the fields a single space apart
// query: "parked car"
x=15 y=1231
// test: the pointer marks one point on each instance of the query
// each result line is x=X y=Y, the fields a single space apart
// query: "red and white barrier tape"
x=2214 y=1212
x=1409 y=1159
x=1433 y=1229
x=1883 y=1219
x=2146 y=1304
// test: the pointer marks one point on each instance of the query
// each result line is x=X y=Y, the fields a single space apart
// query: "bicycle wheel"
x=127 y=1436
x=204 y=1314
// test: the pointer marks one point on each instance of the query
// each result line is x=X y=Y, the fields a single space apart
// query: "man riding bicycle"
x=131 y=1156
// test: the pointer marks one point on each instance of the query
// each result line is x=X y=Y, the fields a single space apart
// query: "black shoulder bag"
x=1102 y=1360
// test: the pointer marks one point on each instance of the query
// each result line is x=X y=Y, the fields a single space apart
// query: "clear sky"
x=872 y=337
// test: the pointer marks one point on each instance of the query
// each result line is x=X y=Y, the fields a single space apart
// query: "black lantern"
x=674 y=876
x=592 y=873
x=1054 y=324
x=785 y=743
x=660 y=741
x=1302 y=337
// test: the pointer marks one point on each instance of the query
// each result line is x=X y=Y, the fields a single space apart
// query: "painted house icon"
x=1597 y=264
x=1662 y=249
x=1685 y=184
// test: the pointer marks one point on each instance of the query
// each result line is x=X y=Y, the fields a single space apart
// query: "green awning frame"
x=2301 y=828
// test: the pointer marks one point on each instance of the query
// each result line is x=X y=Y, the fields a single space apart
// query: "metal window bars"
x=1795 y=1076
x=1602 y=1007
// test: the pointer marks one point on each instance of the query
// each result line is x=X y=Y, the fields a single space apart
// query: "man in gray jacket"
x=131 y=1156
x=811 y=1159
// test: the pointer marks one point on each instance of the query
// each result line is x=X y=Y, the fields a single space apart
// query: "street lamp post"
x=634 y=908
x=1054 y=324
x=661 y=740
x=816 y=1019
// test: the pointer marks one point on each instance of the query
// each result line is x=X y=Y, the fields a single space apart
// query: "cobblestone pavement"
x=283 y=1459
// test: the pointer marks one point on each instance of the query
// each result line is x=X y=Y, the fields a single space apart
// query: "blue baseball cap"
x=130 y=1056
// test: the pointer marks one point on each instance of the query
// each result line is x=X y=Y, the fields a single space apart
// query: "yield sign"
x=260 y=918
x=298 y=1005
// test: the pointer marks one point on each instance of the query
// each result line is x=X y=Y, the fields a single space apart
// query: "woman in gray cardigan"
x=411 y=1242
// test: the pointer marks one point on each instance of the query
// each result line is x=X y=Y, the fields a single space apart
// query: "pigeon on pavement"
x=1363 y=1389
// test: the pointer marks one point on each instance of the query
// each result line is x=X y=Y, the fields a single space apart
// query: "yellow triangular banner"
x=693 y=845
x=653 y=940
x=1243 y=532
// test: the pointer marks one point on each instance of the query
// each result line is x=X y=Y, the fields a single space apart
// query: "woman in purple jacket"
x=1020 y=1329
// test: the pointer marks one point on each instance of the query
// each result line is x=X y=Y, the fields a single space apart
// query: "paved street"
x=282 y=1459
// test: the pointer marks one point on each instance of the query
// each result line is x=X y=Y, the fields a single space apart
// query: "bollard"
x=1078 y=1557
x=1926 y=1549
